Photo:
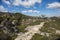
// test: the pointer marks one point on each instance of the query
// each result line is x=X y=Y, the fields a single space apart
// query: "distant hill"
x=11 y=21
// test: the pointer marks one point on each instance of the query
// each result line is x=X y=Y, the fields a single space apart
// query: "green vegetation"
x=51 y=25
x=10 y=22
x=22 y=28
x=39 y=37
x=36 y=22
x=20 y=22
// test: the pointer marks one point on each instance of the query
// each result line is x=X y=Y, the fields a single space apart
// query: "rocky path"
x=31 y=31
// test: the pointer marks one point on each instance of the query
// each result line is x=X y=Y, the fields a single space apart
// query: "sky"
x=31 y=7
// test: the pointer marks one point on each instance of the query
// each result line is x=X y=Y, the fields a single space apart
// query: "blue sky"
x=31 y=7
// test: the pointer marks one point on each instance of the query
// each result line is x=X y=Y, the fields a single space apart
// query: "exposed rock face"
x=28 y=21
x=57 y=31
x=8 y=27
x=10 y=21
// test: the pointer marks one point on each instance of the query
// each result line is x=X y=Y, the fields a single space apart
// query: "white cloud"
x=54 y=5
x=2 y=9
x=30 y=11
x=26 y=3
x=7 y=2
